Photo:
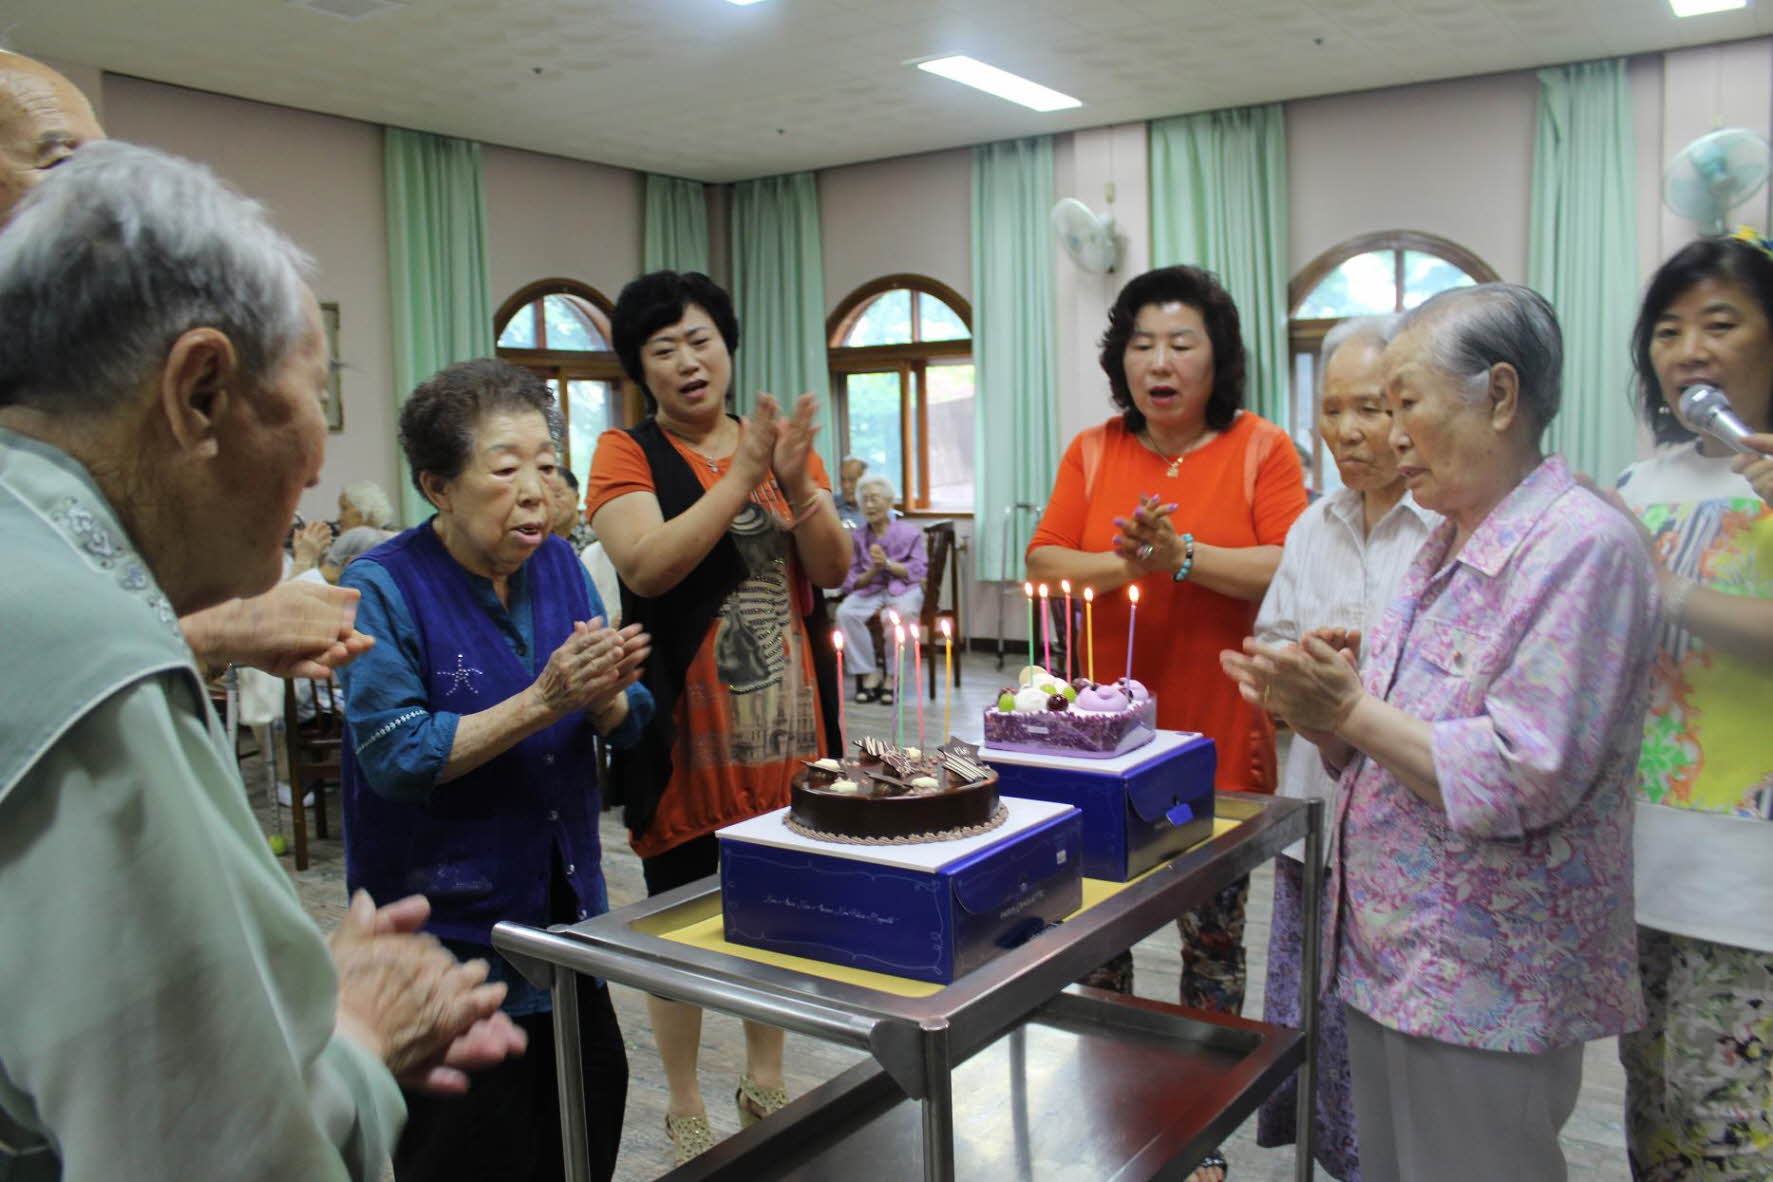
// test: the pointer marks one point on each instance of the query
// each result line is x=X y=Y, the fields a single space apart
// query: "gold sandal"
x=763 y=1101
x=689 y=1135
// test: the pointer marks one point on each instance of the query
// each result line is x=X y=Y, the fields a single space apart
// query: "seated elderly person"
x=171 y=1012
x=364 y=503
x=887 y=567
x=1487 y=750
x=470 y=767
x=847 y=499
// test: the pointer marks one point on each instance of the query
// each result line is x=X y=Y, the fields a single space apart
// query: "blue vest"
x=481 y=847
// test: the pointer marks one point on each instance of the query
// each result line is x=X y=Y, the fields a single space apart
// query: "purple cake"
x=1082 y=719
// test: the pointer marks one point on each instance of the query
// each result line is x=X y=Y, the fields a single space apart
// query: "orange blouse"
x=1242 y=489
x=749 y=711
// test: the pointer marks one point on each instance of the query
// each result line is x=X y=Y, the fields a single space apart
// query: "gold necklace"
x=1175 y=461
x=713 y=465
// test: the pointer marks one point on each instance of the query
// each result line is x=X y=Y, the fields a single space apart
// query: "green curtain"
x=779 y=293
x=676 y=225
x=1219 y=201
x=1582 y=255
x=436 y=264
x=1015 y=322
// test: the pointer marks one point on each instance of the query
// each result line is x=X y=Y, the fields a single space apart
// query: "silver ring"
x=1145 y=552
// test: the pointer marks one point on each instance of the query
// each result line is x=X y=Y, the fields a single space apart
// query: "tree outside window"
x=902 y=384
x=1371 y=275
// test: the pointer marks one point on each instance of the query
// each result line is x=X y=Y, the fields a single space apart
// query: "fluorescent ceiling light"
x=1001 y=83
x=742 y=3
x=1701 y=7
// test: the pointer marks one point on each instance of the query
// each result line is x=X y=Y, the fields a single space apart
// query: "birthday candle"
x=898 y=692
x=917 y=677
x=1028 y=590
x=947 y=626
x=1132 y=613
x=1065 y=586
x=1090 y=631
x=837 y=643
x=1046 y=631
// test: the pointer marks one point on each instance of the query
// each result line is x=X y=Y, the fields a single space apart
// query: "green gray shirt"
x=169 y=1008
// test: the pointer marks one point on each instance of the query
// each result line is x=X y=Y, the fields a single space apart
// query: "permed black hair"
x=1200 y=290
x=438 y=422
x=658 y=300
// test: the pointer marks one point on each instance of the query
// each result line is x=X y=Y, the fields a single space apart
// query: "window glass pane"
x=520 y=333
x=1365 y=285
x=568 y=327
x=950 y=387
x=590 y=410
x=871 y=404
x=1303 y=421
x=1426 y=274
x=885 y=321
x=940 y=323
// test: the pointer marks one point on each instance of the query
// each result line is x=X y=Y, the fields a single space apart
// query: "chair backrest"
x=938 y=541
x=605 y=579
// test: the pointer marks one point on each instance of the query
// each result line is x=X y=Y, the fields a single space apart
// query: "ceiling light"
x=1001 y=83
x=742 y=3
x=1701 y=7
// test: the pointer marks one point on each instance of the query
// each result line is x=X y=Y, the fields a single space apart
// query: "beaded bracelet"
x=1181 y=574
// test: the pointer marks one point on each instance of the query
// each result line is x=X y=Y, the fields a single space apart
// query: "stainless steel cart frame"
x=917 y=1043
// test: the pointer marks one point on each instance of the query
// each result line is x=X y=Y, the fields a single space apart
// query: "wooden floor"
x=1593 y=1139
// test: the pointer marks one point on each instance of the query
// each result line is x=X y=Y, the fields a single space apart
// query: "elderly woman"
x=1343 y=560
x=720 y=529
x=159 y=416
x=362 y=502
x=1705 y=778
x=1487 y=750
x=888 y=563
x=470 y=767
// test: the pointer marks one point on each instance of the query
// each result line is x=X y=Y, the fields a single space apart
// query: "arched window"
x=560 y=329
x=1371 y=275
x=902 y=388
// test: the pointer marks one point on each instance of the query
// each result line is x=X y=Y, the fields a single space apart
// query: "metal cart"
x=1010 y=1072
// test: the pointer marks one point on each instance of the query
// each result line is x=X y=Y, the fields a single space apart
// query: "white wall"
x=321 y=179
x=548 y=217
x=912 y=214
x=1703 y=89
x=1450 y=158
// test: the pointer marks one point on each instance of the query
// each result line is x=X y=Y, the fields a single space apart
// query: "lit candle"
x=1028 y=590
x=1132 y=614
x=1065 y=586
x=1046 y=631
x=947 y=627
x=1090 y=631
x=837 y=644
x=898 y=692
x=917 y=676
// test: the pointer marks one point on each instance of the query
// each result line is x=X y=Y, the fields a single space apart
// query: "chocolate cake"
x=883 y=792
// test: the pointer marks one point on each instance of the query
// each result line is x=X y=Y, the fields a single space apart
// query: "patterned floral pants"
x=1699 y=1077
x=1213 y=972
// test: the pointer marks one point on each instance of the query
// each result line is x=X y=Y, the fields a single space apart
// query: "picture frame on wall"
x=335 y=400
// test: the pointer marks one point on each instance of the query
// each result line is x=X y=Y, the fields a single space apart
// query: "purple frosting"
x=1101 y=698
x=1135 y=689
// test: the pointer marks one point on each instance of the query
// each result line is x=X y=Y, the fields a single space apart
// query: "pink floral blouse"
x=1504 y=921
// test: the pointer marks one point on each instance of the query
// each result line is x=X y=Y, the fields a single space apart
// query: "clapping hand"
x=591 y=666
x=1147 y=541
x=309 y=545
x=794 y=443
x=1314 y=684
x=757 y=444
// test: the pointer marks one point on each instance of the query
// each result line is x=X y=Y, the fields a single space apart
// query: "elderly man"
x=1483 y=923
x=1343 y=559
x=298 y=629
x=172 y=1013
x=849 y=508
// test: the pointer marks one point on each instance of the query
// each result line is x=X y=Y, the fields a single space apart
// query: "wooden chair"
x=939 y=543
x=313 y=748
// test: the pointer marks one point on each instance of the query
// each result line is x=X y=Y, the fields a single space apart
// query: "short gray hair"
x=1471 y=329
x=371 y=502
x=1378 y=329
x=880 y=482
x=354 y=542
x=114 y=256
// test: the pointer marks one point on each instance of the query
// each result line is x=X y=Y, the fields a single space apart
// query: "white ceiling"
x=704 y=89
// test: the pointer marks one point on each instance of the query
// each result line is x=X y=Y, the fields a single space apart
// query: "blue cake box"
x=1139 y=808
x=930 y=911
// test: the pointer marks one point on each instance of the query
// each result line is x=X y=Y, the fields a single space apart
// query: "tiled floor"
x=1593 y=1139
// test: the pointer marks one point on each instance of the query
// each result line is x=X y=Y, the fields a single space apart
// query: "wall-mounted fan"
x=1714 y=174
x=1091 y=239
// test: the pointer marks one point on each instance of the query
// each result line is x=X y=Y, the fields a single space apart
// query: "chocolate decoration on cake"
x=897 y=796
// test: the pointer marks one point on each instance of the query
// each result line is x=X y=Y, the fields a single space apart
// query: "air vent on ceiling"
x=350 y=10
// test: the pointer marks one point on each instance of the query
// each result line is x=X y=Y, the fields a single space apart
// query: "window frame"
x=566 y=365
x=911 y=362
x=1307 y=335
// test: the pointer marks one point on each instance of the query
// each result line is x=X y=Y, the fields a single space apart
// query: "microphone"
x=1704 y=409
